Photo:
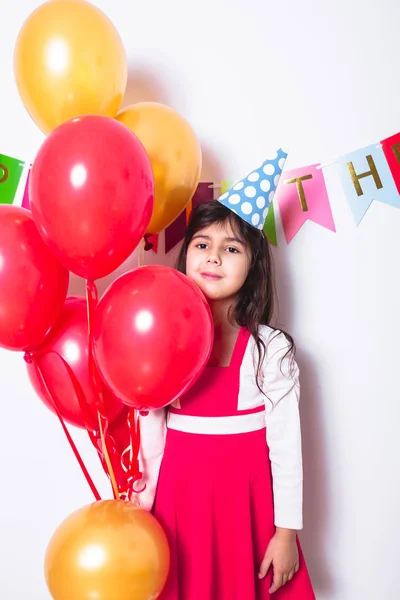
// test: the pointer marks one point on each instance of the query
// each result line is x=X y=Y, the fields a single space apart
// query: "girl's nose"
x=213 y=259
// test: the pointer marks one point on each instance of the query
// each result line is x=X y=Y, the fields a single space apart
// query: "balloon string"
x=92 y=298
x=134 y=452
x=91 y=303
x=132 y=471
x=29 y=358
x=107 y=459
x=88 y=417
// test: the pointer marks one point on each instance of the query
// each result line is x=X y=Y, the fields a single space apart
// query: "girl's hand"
x=283 y=555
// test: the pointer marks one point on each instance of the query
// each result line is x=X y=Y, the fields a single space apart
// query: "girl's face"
x=218 y=261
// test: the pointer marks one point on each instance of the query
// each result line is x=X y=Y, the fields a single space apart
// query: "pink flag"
x=391 y=148
x=25 y=199
x=302 y=196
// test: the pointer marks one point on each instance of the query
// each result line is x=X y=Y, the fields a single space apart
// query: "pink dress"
x=214 y=496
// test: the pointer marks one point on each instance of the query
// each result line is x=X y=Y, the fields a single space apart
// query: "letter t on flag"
x=303 y=196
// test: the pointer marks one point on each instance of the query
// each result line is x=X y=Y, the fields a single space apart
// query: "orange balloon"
x=69 y=61
x=175 y=156
x=109 y=550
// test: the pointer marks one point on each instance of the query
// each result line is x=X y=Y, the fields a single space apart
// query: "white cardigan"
x=280 y=377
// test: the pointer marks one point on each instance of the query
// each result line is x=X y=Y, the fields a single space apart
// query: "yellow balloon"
x=109 y=550
x=69 y=61
x=175 y=156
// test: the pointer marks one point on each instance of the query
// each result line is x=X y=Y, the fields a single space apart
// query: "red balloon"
x=153 y=333
x=33 y=284
x=69 y=338
x=91 y=194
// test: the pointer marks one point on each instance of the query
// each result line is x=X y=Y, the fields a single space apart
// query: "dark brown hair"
x=255 y=301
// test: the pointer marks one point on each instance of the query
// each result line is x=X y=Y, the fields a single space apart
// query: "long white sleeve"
x=281 y=384
x=153 y=431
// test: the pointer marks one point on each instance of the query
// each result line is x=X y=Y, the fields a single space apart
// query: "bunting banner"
x=175 y=232
x=367 y=174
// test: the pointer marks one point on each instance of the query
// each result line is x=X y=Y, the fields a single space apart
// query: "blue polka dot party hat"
x=251 y=197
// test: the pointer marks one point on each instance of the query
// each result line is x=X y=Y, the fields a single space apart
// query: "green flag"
x=269 y=227
x=225 y=186
x=10 y=174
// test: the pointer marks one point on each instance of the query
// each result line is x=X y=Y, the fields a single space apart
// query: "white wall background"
x=252 y=75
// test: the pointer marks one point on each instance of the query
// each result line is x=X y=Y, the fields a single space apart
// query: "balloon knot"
x=28 y=358
x=143 y=413
x=147 y=244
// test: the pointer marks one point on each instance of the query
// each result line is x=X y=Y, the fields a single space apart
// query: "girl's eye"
x=230 y=249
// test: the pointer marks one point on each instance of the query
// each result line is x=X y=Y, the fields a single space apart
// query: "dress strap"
x=240 y=347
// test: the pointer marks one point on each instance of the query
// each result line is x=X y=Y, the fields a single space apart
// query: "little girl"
x=229 y=491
